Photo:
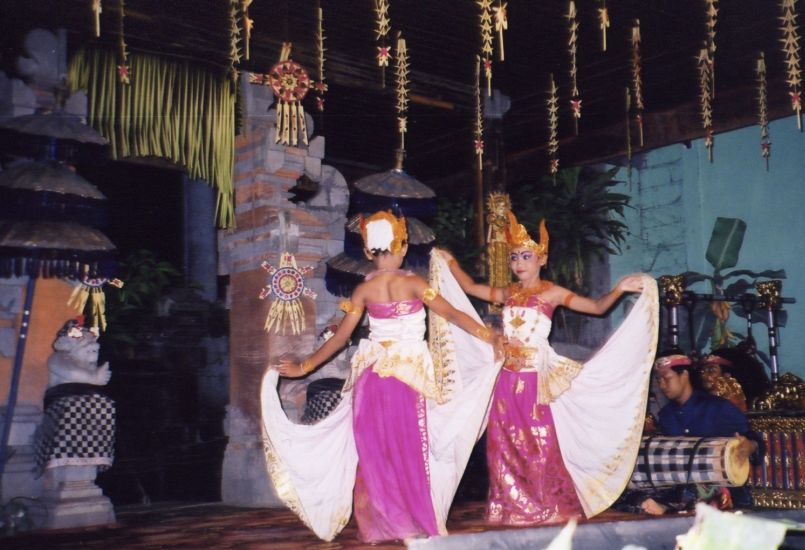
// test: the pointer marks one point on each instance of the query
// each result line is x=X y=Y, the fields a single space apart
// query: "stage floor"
x=215 y=525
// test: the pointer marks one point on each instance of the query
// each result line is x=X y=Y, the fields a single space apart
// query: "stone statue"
x=77 y=434
x=76 y=358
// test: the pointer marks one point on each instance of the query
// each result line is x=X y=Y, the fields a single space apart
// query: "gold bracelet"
x=305 y=366
x=451 y=261
x=568 y=299
x=616 y=291
x=492 y=294
x=484 y=333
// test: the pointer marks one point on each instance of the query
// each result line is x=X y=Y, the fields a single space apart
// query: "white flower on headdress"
x=75 y=332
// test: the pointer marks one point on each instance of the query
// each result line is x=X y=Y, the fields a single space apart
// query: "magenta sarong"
x=528 y=482
x=392 y=497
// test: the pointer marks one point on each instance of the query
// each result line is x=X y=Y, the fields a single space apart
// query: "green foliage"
x=582 y=215
x=723 y=252
x=131 y=310
x=453 y=226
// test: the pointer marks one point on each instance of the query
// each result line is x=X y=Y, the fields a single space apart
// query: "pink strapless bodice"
x=535 y=302
x=391 y=310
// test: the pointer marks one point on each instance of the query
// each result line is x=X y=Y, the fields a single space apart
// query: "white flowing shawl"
x=599 y=419
x=313 y=466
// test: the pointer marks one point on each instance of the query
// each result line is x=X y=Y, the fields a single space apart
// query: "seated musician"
x=692 y=412
x=735 y=374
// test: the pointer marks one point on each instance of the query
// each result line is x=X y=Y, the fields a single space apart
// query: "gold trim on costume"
x=429 y=295
x=349 y=308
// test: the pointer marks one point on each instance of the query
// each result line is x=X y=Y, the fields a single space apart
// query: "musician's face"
x=674 y=386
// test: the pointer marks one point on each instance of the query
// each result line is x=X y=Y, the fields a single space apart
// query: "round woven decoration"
x=287 y=284
x=289 y=81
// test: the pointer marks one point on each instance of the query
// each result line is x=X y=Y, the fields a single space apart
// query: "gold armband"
x=349 y=308
x=306 y=366
x=429 y=295
x=568 y=299
x=484 y=333
x=492 y=294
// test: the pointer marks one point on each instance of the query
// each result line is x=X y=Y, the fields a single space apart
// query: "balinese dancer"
x=408 y=419
x=562 y=436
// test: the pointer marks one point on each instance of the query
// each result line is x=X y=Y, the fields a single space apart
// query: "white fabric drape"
x=599 y=419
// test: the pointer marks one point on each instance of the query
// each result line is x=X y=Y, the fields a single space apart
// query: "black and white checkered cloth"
x=665 y=461
x=77 y=430
x=323 y=396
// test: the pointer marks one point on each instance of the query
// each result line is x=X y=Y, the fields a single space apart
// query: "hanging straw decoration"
x=553 y=124
x=320 y=85
x=637 y=81
x=97 y=9
x=763 y=109
x=706 y=98
x=401 y=59
x=287 y=284
x=501 y=24
x=712 y=17
x=248 y=25
x=290 y=84
x=486 y=41
x=498 y=205
x=603 y=23
x=790 y=41
x=234 y=39
x=628 y=132
x=383 y=26
x=123 y=69
x=91 y=290
x=479 y=120
x=575 y=101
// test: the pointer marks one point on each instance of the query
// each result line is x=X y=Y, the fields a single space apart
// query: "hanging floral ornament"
x=711 y=15
x=290 y=84
x=91 y=290
x=478 y=143
x=501 y=24
x=486 y=41
x=123 y=70
x=603 y=23
x=382 y=29
x=248 y=25
x=637 y=81
x=790 y=40
x=287 y=284
x=321 y=85
x=553 y=125
x=706 y=99
x=572 y=44
x=234 y=39
x=401 y=59
x=97 y=9
x=763 y=109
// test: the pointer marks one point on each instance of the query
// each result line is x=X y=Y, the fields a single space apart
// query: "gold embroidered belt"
x=517 y=357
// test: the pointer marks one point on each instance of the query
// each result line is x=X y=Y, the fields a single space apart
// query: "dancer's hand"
x=632 y=283
x=289 y=368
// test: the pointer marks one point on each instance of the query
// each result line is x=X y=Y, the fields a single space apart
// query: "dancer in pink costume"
x=412 y=433
x=562 y=436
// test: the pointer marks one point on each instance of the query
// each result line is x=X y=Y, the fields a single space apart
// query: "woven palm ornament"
x=287 y=284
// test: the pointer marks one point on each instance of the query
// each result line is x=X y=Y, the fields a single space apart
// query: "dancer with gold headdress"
x=562 y=436
x=407 y=420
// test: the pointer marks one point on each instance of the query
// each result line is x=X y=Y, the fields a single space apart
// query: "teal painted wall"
x=677 y=194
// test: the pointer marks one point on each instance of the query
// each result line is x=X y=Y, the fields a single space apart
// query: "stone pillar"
x=267 y=224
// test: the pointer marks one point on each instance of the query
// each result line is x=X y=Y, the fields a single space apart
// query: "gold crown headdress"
x=517 y=236
x=384 y=231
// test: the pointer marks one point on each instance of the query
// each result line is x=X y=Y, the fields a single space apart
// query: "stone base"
x=18 y=478
x=73 y=500
x=244 y=479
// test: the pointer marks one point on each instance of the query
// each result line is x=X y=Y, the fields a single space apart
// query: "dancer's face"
x=526 y=264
